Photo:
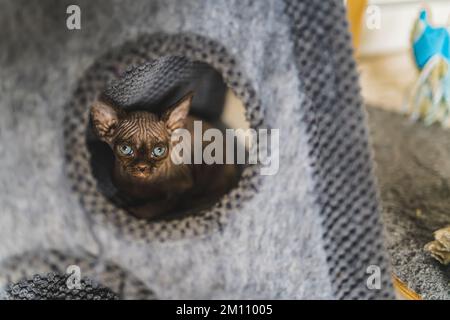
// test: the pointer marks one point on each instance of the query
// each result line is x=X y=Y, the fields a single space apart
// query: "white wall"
x=396 y=21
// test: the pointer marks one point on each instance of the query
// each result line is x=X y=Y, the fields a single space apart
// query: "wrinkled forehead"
x=141 y=127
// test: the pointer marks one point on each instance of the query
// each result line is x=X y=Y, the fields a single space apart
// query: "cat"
x=143 y=168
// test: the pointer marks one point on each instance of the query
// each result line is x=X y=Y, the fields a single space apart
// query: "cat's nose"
x=142 y=167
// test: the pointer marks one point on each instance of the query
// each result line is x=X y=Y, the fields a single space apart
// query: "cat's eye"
x=125 y=149
x=158 y=151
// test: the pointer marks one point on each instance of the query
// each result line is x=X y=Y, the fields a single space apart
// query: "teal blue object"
x=430 y=96
x=431 y=42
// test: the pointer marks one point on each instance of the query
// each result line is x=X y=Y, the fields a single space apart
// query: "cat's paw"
x=440 y=247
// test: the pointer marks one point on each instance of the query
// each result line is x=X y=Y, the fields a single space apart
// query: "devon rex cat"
x=144 y=170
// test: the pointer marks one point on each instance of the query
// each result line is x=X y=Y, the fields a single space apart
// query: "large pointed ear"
x=175 y=117
x=105 y=118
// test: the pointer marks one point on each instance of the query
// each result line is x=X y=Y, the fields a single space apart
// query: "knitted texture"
x=54 y=287
x=44 y=274
x=339 y=151
x=149 y=82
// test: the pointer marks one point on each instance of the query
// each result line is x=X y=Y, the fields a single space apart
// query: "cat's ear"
x=175 y=117
x=105 y=118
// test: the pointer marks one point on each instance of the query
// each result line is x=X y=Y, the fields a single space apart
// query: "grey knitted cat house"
x=310 y=231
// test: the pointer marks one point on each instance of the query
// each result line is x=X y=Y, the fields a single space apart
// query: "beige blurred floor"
x=385 y=79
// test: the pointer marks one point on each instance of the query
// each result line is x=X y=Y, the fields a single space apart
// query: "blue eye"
x=125 y=150
x=158 y=151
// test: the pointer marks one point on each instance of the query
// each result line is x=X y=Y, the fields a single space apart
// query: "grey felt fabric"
x=413 y=171
x=310 y=231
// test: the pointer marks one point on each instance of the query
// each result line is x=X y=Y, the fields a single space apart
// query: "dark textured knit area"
x=339 y=151
x=54 y=287
x=43 y=274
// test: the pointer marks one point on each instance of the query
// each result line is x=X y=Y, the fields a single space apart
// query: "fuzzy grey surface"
x=413 y=170
x=273 y=247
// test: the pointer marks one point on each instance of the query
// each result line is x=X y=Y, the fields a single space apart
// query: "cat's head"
x=140 y=140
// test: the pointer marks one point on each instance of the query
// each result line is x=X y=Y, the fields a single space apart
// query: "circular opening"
x=151 y=74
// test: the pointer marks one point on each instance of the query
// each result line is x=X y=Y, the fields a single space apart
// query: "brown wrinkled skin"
x=158 y=185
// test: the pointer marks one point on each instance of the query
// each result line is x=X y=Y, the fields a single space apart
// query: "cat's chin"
x=140 y=176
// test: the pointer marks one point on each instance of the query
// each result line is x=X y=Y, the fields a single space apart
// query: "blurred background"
x=413 y=167
x=382 y=38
